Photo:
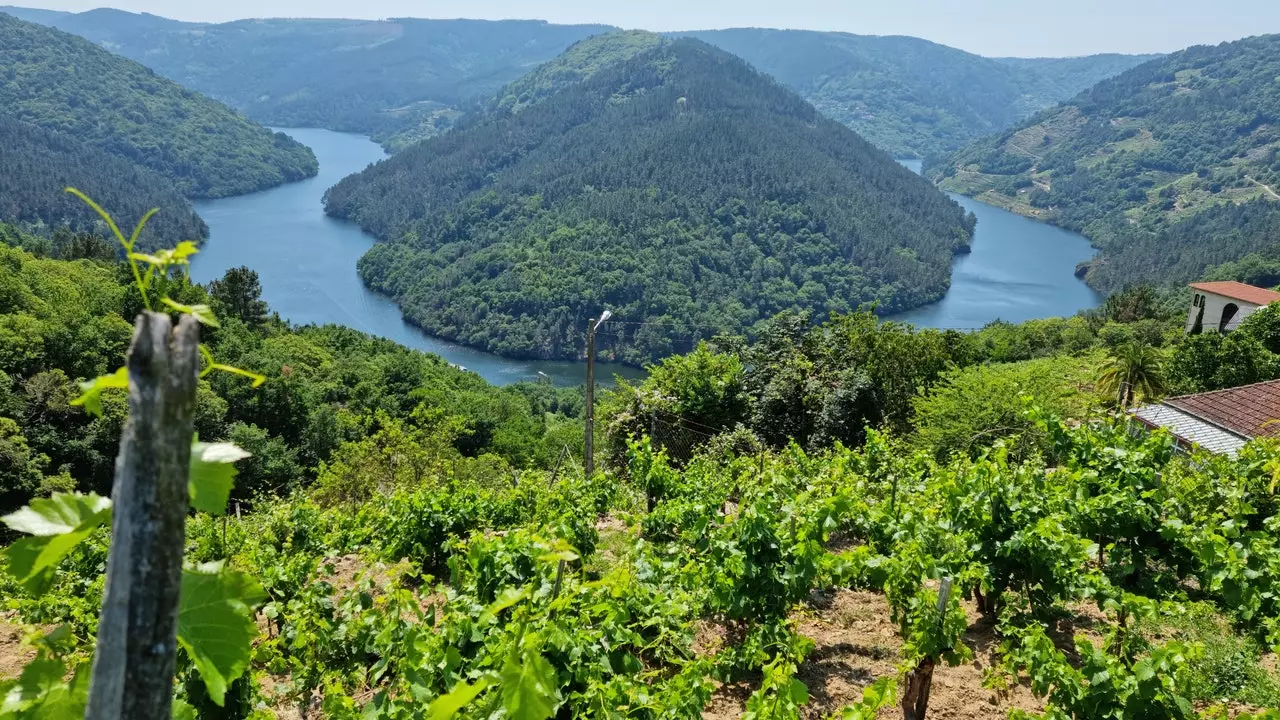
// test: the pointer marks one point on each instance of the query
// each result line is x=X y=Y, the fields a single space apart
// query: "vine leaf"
x=216 y=625
x=212 y=475
x=56 y=525
x=203 y=313
x=529 y=685
x=448 y=705
x=91 y=390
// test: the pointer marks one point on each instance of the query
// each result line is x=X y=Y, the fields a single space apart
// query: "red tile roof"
x=1239 y=291
x=1242 y=410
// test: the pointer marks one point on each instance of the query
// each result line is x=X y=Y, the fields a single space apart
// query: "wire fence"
x=679 y=437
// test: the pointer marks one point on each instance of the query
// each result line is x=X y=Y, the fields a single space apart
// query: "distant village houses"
x=1221 y=421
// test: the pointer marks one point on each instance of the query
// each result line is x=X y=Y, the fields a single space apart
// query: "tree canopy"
x=679 y=188
x=68 y=85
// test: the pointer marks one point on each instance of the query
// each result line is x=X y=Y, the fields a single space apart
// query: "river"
x=306 y=262
x=1019 y=269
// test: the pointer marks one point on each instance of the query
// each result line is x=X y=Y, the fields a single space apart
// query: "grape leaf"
x=203 y=313
x=91 y=390
x=216 y=625
x=212 y=475
x=58 y=514
x=529 y=686
x=57 y=524
x=448 y=705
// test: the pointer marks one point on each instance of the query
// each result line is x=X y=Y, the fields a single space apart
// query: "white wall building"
x=1226 y=304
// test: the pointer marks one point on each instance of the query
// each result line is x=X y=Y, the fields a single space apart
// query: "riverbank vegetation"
x=203 y=148
x=334 y=399
x=1148 y=164
x=36 y=164
x=679 y=188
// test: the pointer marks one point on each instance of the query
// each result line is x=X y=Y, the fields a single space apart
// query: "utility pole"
x=589 y=462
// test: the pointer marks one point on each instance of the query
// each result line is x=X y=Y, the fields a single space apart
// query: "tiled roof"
x=1190 y=429
x=1242 y=410
x=1239 y=291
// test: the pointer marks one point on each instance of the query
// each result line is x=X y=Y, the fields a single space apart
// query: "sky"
x=1023 y=28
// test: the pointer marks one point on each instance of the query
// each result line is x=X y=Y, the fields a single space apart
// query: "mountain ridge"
x=889 y=96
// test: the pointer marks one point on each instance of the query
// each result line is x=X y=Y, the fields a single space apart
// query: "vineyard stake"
x=133 y=664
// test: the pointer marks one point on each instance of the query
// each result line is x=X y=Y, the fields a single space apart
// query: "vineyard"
x=1094 y=572
x=670 y=589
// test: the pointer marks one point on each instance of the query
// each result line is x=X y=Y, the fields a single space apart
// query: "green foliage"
x=62 y=321
x=689 y=191
x=1148 y=164
x=216 y=623
x=1131 y=372
x=912 y=97
x=970 y=407
x=38 y=163
x=200 y=146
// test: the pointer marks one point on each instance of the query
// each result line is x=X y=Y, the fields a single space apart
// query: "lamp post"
x=589 y=462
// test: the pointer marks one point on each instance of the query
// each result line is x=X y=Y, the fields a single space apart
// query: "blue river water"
x=306 y=262
x=1019 y=269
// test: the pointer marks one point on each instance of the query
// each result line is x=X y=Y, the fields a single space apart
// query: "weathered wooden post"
x=915 y=699
x=133 y=664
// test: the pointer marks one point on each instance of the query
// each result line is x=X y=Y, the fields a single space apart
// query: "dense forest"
x=36 y=165
x=406 y=79
x=332 y=395
x=909 y=96
x=1146 y=160
x=354 y=75
x=680 y=188
x=65 y=84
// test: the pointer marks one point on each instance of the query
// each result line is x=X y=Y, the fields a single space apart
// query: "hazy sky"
x=989 y=27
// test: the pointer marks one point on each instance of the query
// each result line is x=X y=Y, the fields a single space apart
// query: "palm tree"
x=1132 y=370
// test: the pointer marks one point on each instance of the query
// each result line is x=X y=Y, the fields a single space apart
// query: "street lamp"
x=589 y=462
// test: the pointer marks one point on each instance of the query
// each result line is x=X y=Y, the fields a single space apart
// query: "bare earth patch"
x=13 y=654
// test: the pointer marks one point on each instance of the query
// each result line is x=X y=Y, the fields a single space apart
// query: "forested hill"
x=910 y=96
x=679 y=187
x=1136 y=156
x=409 y=78
x=353 y=75
x=36 y=165
x=66 y=84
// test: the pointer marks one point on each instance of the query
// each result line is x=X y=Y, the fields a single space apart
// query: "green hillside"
x=403 y=80
x=910 y=96
x=65 y=84
x=353 y=75
x=1145 y=155
x=680 y=187
x=36 y=165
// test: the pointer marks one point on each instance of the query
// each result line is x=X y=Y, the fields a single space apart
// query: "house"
x=1221 y=421
x=1222 y=306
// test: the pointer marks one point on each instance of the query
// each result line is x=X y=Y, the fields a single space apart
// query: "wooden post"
x=555 y=473
x=133 y=663
x=589 y=461
x=915 y=699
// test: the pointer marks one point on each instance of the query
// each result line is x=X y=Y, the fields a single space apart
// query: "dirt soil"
x=13 y=654
x=856 y=644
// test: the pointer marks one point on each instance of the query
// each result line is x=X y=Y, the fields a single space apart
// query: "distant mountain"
x=677 y=186
x=64 y=84
x=1137 y=160
x=910 y=96
x=410 y=78
x=353 y=75
x=36 y=165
